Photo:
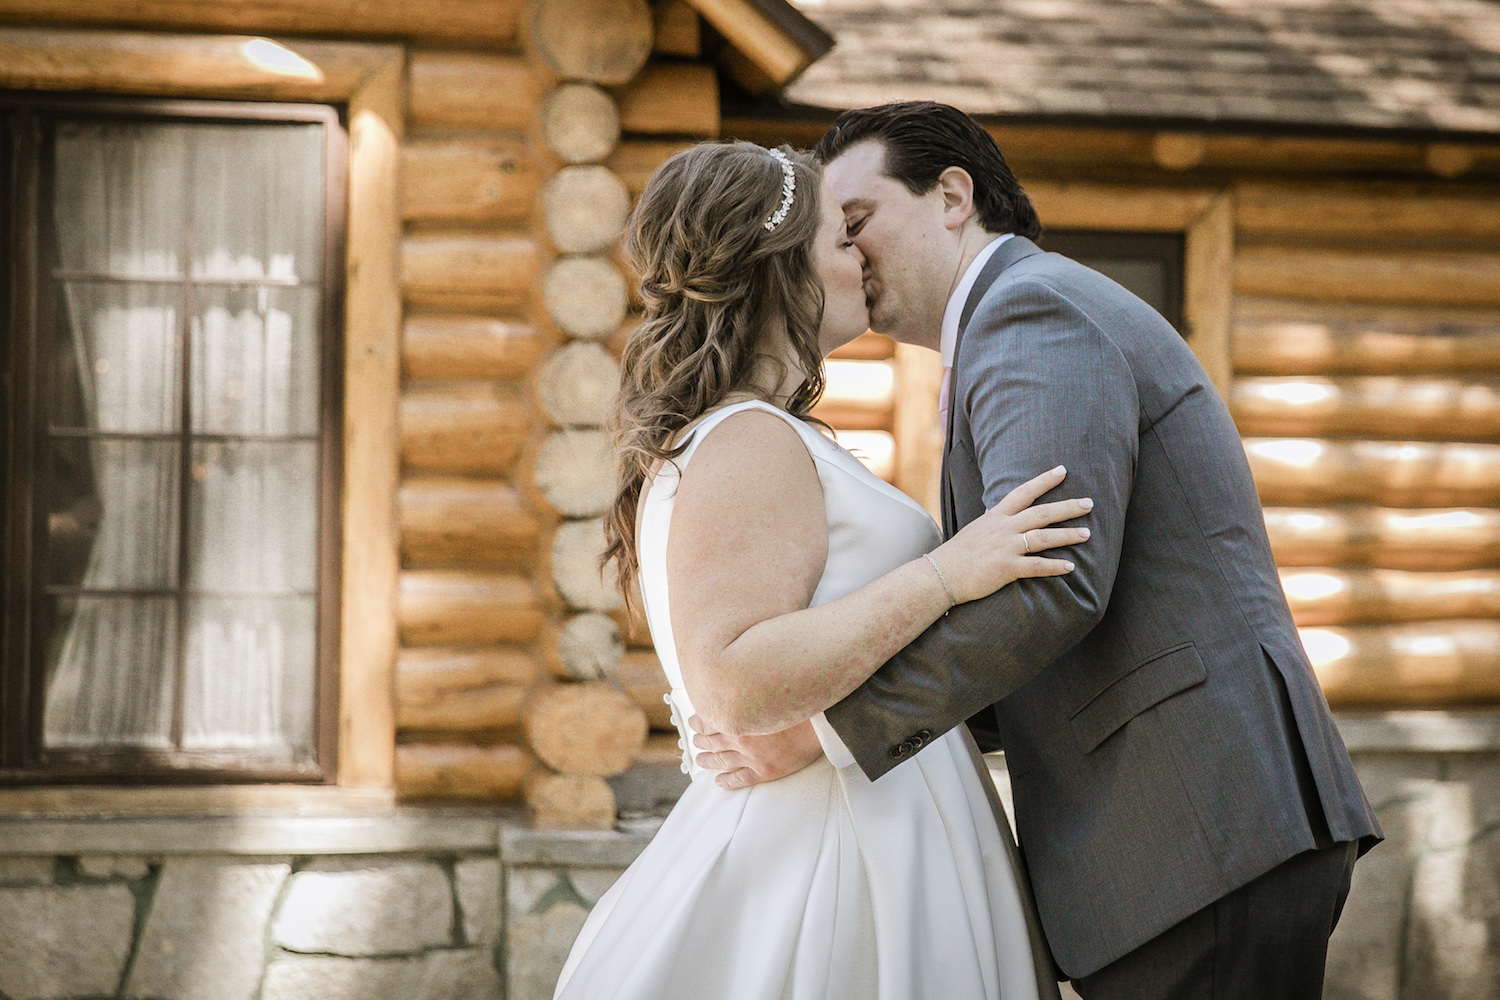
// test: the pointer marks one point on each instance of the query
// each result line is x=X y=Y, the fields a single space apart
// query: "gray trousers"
x=1267 y=940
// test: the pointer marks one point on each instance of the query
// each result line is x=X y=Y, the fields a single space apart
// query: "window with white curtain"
x=171 y=397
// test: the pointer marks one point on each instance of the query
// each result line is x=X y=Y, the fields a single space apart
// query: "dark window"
x=171 y=399
x=1149 y=264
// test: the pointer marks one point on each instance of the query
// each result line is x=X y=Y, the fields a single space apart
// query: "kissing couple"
x=1105 y=608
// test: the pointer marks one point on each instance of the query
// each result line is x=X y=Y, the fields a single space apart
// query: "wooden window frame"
x=25 y=637
x=367 y=81
x=1166 y=248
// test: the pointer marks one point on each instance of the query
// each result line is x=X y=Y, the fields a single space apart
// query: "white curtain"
x=221 y=224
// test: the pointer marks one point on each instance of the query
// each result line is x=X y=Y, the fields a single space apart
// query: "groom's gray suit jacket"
x=1142 y=700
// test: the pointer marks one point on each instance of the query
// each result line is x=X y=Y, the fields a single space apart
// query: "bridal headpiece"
x=788 y=189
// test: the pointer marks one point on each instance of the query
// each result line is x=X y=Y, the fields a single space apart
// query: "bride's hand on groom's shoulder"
x=751 y=760
x=1002 y=544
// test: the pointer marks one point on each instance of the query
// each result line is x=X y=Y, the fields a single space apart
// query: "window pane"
x=249 y=666
x=117 y=357
x=112 y=518
x=258 y=201
x=256 y=360
x=109 y=679
x=253 y=517
x=121 y=197
x=1145 y=277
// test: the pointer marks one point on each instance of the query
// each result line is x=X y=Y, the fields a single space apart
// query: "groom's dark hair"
x=922 y=139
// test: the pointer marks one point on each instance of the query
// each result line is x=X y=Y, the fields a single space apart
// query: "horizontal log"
x=468 y=180
x=1443 y=409
x=1421 y=540
x=868 y=346
x=440 y=346
x=1076 y=205
x=661 y=750
x=181 y=66
x=1324 y=211
x=1298 y=472
x=640 y=676
x=602 y=41
x=635 y=160
x=1418 y=665
x=580 y=123
x=1286 y=337
x=439 y=771
x=453 y=521
x=471 y=90
x=468 y=272
x=569 y=801
x=1411 y=277
x=584 y=728
x=860 y=395
x=876 y=449
x=452 y=607
x=587 y=647
x=473 y=22
x=678 y=30
x=578 y=384
x=1339 y=596
x=463 y=710
x=476 y=427
x=431 y=671
x=672 y=99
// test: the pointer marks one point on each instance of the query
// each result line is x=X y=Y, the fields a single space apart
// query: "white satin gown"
x=823 y=884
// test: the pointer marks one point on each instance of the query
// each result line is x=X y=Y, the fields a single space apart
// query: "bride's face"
x=841 y=267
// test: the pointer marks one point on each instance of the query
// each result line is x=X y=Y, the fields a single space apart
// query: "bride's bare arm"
x=748 y=543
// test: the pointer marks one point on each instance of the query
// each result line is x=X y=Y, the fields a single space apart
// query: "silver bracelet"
x=933 y=563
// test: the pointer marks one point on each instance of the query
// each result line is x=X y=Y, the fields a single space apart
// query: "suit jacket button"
x=923 y=738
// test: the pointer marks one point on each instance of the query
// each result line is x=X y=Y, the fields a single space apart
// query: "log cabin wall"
x=1366 y=356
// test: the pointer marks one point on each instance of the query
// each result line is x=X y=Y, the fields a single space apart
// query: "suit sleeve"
x=1041 y=384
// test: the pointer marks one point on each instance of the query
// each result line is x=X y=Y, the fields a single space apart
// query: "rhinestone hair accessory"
x=788 y=189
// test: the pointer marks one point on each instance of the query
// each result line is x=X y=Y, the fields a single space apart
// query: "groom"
x=1186 y=809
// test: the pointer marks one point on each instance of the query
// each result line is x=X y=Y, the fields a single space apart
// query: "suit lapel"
x=1012 y=250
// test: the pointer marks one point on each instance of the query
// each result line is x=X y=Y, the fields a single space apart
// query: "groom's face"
x=904 y=240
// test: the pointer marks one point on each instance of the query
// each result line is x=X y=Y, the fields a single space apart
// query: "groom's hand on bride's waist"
x=750 y=760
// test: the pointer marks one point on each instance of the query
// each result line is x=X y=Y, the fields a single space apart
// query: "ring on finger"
x=1026 y=541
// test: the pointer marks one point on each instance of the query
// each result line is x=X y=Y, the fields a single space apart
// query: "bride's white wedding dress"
x=823 y=884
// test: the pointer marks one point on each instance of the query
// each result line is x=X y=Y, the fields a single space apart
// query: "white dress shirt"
x=833 y=747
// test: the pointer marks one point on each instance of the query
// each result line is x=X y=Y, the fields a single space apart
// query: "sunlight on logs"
x=273 y=58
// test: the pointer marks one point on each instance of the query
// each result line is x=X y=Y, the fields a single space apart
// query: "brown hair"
x=714 y=281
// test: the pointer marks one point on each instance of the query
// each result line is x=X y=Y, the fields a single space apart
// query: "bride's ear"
x=957 y=189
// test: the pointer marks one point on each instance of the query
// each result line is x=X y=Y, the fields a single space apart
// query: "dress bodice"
x=872 y=529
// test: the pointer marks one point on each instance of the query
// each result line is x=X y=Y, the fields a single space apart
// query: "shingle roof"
x=1402 y=64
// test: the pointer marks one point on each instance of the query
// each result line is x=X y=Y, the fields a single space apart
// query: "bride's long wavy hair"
x=715 y=283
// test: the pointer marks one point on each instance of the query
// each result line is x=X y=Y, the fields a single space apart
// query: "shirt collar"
x=948 y=342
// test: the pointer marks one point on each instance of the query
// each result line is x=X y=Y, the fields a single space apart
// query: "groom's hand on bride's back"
x=750 y=760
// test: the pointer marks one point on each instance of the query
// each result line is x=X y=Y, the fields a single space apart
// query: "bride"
x=777 y=574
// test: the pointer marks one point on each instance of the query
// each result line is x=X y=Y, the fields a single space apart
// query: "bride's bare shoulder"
x=752 y=451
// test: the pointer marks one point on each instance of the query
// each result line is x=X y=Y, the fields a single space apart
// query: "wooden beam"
x=1401 y=277
x=480 y=23
x=601 y=41
x=915 y=424
x=463 y=427
x=372 y=380
x=1423 y=539
x=640 y=676
x=1340 y=596
x=746 y=26
x=473 y=90
x=1085 y=205
x=1208 y=287
x=1434 y=409
x=678 y=31
x=468 y=272
x=440 y=346
x=469 y=180
x=186 y=66
x=584 y=728
x=868 y=346
x=458 y=608
x=672 y=99
x=1288 y=337
x=1425 y=664
x=440 y=771
x=1367 y=211
x=463 y=521
x=635 y=160
x=860 y=395
x=1297 y=472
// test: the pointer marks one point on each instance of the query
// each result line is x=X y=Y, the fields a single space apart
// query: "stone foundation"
x=475 y=906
